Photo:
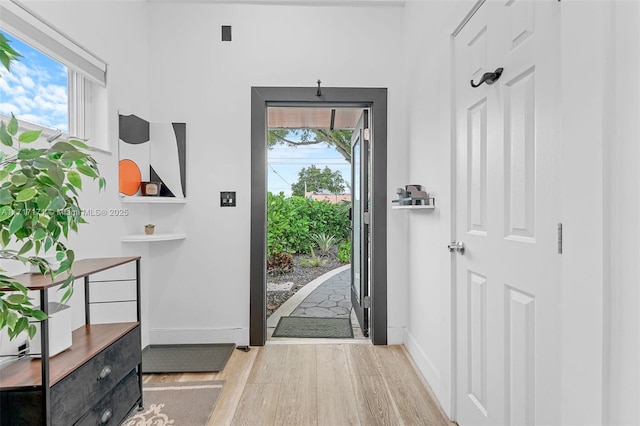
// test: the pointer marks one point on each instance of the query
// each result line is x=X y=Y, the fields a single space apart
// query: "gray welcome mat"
x=336 y=328
x=198 y=358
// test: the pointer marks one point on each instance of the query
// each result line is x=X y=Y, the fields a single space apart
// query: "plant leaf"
x=3 y=174
x=5 y=137
x=40 y=234
x=26 y=194
x=26 y=247
x=48 y=242
x=73 y=156
x=17 y=299
x=5 y=213
x=19 y=179
x=77 y=143
x=29 y=136
x=39 y=315
x=30 y=153
x=5 y=197
x=56 y=174
x=87 y=171
x=43 y=202
x=6 y=237
x=12 y=127
x=61 y=147
x=57 y=203
x=75 y=179
x=16 y=223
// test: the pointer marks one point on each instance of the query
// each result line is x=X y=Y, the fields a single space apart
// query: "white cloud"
x=7 y=108
x=31 y=94
x=28 y=82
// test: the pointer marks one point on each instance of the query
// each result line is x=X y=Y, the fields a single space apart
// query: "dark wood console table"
x=96 y=381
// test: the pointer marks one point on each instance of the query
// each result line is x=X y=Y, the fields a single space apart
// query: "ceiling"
x=393 y=3
x=312 y=118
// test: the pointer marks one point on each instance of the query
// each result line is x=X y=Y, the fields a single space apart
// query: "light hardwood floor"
x=324 y=384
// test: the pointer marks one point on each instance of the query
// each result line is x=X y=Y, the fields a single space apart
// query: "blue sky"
x=285 y=162
x=36 y=88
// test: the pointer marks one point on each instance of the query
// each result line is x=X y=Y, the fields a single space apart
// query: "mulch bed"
x=300 y=276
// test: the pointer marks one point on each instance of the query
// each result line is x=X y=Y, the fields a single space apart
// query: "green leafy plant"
x=344 y=251
x=39 y=188
x=324 y=242
x=291 y=221
x=280 y=263
x=314 y=261
x=7 y=54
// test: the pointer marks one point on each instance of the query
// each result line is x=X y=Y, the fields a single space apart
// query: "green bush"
x=344 y=251
x=291 y=222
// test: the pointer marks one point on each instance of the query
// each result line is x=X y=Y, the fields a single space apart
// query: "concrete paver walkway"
x=330 y=299
x=328 y=296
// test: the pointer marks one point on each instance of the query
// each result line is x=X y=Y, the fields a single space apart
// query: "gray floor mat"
x=186 y=358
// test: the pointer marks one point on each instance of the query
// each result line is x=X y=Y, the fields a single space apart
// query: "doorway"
x=374 y=101
x=311 y=279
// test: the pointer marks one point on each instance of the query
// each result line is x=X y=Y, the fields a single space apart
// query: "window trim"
x=25 y=24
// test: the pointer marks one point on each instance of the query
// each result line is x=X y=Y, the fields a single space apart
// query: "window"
x=51 y=86
x=36 y=90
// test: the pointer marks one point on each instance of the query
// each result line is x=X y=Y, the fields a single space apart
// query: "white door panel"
x=507 y=280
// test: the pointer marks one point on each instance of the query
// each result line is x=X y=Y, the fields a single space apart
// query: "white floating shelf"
x=428 y=207
x=143 y=238
x=154 y=200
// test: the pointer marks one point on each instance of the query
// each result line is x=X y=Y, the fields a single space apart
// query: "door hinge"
x=560 y=238
x=366 y=218
x=366 y=134
x=366 y=302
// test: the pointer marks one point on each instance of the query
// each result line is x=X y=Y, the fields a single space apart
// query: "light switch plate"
x=227 y=199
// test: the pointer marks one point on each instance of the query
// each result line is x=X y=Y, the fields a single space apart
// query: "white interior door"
x=507 y=213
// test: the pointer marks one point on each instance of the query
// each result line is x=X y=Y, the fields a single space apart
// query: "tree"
x=339 y=139
x=316 y=179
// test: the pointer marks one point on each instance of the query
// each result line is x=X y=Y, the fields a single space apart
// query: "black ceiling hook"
x=489 y=77
x=319 y=92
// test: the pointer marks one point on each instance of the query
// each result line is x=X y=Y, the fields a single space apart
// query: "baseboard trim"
x=166 y=336
x=429 y=373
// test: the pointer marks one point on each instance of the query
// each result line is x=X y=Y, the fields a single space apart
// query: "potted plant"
x=149 y=228
x=39 y=188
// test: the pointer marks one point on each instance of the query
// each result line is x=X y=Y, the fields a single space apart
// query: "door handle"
x=456 y=246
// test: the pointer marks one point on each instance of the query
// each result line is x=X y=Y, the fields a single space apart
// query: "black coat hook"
x=319 y=92
x=489 y=77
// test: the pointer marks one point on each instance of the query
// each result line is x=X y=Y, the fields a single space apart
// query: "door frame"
x=376 y=100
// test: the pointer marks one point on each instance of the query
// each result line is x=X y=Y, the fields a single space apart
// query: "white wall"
x=118 y=33
x=429 y=26
x=622 y=224
x=196 y=78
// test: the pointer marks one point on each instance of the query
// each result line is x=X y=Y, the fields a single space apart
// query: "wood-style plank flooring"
x=324 y=384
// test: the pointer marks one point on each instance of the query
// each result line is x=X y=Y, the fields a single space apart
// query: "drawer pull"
x=106 y=416
x=105 y=372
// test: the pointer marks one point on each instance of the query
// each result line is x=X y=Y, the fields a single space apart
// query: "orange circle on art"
x=130 y=177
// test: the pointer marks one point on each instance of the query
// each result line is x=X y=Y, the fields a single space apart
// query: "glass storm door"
x=360 y=222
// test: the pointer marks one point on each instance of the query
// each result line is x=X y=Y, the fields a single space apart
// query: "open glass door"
x=360 y=222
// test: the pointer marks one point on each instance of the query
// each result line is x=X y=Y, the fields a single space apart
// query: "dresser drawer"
x=115 y=406
x=76 y=393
